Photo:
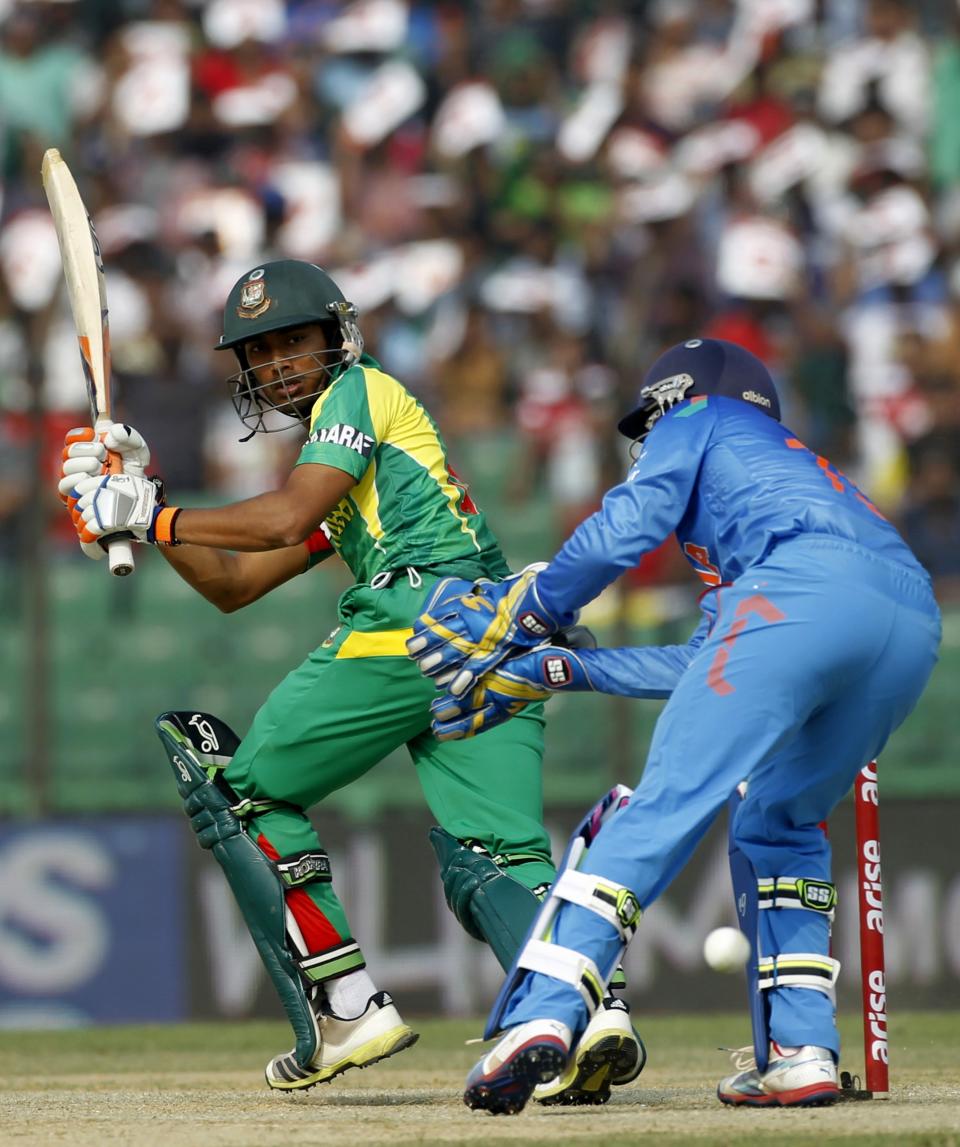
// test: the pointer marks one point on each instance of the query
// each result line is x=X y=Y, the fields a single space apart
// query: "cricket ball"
x=726 y=949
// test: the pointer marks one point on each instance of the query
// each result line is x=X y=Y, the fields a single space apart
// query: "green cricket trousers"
x=353 y=701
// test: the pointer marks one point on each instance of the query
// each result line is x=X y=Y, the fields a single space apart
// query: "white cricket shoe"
x=375 y=1034
x=795 y=1077
x=610 y=1051
x=526 y=1055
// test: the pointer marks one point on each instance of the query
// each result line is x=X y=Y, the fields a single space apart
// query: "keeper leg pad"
x=799 y=970
x=797 y=892
x=199 y=747
x=765 y=971
x=745 y=898
x=613 y=902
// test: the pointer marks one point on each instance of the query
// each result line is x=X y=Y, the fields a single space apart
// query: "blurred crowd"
x=527 y=199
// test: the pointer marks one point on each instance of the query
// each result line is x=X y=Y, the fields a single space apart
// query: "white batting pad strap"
x=610 y=900
x=799 y=970
x=567 y=965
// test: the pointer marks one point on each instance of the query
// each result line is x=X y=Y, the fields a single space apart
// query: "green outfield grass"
x=192 y=1084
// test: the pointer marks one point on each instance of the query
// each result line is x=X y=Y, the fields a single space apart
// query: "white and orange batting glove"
x=125 y=504
x=85 y=456
x=131 y=446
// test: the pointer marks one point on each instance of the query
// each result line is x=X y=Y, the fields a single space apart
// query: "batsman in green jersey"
x=373 y=485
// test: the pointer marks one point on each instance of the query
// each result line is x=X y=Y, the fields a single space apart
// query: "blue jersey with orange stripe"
x=732 y=484
x=817 y=640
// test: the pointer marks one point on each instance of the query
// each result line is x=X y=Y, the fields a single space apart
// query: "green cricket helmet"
x=278 y=296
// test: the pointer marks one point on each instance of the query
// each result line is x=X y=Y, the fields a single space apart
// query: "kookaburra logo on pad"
x=208 y=738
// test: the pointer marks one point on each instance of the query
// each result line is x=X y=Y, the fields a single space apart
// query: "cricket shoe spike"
x=795 y=1077
x=375 y=1034
x=610 y=1051
x=528 y=1054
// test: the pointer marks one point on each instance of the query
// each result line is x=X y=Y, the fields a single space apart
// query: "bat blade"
x=86 y=288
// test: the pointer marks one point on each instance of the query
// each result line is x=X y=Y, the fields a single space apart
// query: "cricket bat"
x=86 y=287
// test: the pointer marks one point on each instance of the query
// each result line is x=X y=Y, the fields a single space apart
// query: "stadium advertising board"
x=92 y=922
x=387 y=877
x=113 y=920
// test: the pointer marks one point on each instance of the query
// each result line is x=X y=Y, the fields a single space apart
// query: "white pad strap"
x=614 y=902
x=797 y=892
x=567 y=965
x=799 y=970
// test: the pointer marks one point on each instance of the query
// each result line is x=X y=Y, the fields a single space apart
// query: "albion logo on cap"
x=759 y=399
x=254 y=299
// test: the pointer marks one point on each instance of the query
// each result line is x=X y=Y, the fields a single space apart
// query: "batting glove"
x=84 y=456
x=124 y=503
x=131 y=446
x=458 y=639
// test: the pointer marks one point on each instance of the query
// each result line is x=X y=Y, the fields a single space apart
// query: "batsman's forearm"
x=213 y=573
x=269 y=521
x=231 y=580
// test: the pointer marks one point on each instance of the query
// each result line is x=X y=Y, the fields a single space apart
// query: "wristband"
x=164 y=526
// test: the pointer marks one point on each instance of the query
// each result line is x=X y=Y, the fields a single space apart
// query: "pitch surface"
x=194 y=1085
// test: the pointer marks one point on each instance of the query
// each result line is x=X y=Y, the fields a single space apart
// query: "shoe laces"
x=742 y=1058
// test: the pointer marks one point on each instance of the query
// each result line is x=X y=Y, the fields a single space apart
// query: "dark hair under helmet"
x=700 y=367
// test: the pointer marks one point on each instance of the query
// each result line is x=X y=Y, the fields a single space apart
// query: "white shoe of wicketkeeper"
x=610 y=1051
x=375 y=1034
x=795 y=1077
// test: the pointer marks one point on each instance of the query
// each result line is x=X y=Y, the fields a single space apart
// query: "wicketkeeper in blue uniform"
x=819 y=633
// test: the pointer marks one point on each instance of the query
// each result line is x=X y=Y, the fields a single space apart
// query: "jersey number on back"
x=837 y=479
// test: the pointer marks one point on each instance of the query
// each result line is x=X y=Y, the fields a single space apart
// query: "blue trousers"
x=816 y=656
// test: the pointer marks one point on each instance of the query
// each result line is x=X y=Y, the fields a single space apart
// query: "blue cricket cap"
x=700 y=367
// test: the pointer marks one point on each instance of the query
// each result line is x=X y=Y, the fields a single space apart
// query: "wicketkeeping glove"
x=431 y=633
x=500 y=694
x=124 y=503
x=458 y=638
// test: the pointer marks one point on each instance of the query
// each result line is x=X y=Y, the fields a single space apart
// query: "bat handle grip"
x=119 y=550
x=120 y=557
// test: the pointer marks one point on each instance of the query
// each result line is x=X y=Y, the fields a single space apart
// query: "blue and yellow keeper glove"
x=516 y=682
x=460 y=635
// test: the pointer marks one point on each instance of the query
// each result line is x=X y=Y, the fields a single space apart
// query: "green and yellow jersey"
x=408 y=507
